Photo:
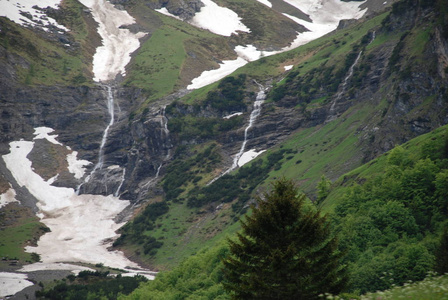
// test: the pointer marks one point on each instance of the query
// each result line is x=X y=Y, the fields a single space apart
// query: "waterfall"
x=165 y=131
x=99 y=164
x=344 y=83
x=261 y=96
x=110 y=109
x=116 y=194
x=343 y=87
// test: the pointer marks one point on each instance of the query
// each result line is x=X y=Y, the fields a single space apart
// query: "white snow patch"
x=265 y=2
x=249 y=52
x=132 y=274
x=113 y=167
x=12 y=10
x=112 y=57
x=76 y=166
x=8 y=197
x=43 y=133
x=287 y=68
x=248 y=156
x=207 y=77
x=82 y=227
x=232 y=115
x=165 y=12
x=52 y=179
x=40 y=266
x=218 y=19
x=12 y=283
x=325 y=14
x=329 y=12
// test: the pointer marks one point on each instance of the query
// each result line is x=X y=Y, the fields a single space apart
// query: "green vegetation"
x=197 y=278
x=434 y=288
x=389 y=216
x=48 y=62
x=284 y=251
x=228 y=97
x=388 y=241
x=156 y=68
x=91 y=285
x=18 y=228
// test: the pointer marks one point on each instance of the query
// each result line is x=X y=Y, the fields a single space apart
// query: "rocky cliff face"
x=139 y=146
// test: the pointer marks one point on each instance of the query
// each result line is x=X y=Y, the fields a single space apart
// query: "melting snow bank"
x=217 y=19
x=12 y=283
x=248 y=156
x=325 y=14
x=82 y=227
x=112 y=57
x=30 y=13
x=54 y=266
x=8 y=197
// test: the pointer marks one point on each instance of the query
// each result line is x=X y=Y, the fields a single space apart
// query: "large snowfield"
x=112 y=57
x=82 y=226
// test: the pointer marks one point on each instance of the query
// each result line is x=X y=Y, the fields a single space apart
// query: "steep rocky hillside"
x=350 y=97
x=176 y=152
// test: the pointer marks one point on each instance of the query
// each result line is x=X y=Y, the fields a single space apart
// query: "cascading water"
x=344 y=83
x=110 y=109
x=116 y=194
x=261 y=97
x=100 y=163
x=165 y=132
x=343 y=86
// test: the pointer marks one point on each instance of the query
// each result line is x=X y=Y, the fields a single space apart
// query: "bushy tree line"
x=390 y=224
x=91 y=285
x=239 y=185
x=136 y=231
x=228 y=97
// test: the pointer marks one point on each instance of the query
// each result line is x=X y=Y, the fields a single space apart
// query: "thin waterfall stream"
x=259 y=100
x=100 y=163
x=261 y=96
x=343 y=86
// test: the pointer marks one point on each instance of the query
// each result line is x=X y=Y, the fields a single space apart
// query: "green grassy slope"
x=45 y=60
x=330 y=149
x=400 y=259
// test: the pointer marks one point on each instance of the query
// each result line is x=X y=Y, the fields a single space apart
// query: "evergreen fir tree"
x=285 y=251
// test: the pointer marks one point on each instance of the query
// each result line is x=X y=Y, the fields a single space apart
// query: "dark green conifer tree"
x=284 y=251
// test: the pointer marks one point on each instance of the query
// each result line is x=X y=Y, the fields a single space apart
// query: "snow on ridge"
x=325 y=14
x=165 y=12
x=208 y=77
x=218 y=19
x=265 y=2
x=118 y=43
x=17 y=11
